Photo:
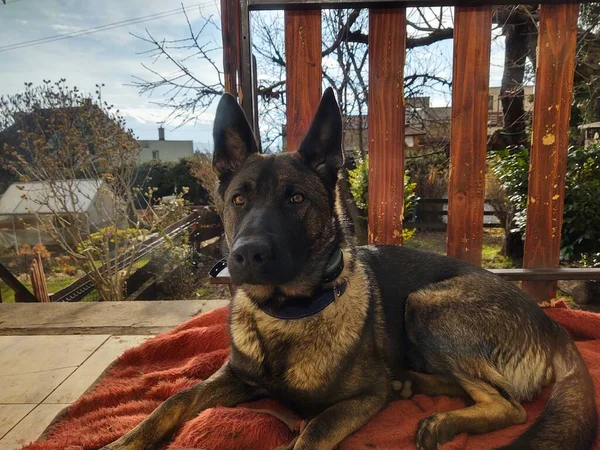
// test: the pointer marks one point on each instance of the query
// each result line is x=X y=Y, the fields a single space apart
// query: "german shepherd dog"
x=336 y=331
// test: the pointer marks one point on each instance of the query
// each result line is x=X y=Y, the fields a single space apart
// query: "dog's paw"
x=402 y=388
x=432 y=431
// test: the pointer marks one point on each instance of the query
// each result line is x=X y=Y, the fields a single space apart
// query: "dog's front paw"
x=432 y=431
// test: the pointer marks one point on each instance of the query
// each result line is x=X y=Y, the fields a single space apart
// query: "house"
x=48 y=128
x=356 y=127
x=591 y=133
x=29 y=210
x=435 y=120
x=495 y=106
x=164 y=150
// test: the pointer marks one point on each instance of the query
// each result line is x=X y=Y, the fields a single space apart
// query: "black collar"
x=300 y=307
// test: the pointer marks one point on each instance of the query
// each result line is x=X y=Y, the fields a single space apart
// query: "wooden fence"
x=470 y=87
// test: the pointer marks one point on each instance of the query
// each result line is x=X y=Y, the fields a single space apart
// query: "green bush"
x=581 y=219
x=359 y=188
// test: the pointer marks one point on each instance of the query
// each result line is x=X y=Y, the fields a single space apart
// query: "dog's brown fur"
x=409 y=321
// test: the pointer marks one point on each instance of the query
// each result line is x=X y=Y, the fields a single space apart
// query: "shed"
x=27 y=210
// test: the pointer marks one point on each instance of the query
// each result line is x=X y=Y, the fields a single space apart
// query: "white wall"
x=171 y=151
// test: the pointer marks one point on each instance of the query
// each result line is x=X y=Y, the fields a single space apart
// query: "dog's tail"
x=569 y=420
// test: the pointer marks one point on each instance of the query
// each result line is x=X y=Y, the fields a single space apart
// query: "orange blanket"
x=145 y=376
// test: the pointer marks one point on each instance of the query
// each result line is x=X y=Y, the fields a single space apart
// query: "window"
x=145 y=144
x=490 y=102
x=155 y=154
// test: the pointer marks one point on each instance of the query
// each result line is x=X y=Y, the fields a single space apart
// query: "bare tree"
x=345 y=55
x=82 y=153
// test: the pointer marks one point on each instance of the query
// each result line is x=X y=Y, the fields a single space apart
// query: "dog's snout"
x=249 y=255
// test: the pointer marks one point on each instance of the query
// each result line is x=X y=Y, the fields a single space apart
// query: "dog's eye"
x=238 y=200
x=297 y=198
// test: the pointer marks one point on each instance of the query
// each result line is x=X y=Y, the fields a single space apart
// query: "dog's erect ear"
x=232 y=136
x=321 y=149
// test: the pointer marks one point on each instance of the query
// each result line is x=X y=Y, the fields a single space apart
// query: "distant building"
x=352 y=136
x=495 y=106
x=591 y=133
x=164 y=150
x=28 y=210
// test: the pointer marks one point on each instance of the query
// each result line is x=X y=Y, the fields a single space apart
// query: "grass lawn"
x=435 y=241
x=55 y=283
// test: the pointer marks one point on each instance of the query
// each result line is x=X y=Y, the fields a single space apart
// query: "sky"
x=115 y=57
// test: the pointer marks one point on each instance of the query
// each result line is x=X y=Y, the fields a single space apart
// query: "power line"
x=97 y=29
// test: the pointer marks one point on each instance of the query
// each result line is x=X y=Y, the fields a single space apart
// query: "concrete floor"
x=51 y=353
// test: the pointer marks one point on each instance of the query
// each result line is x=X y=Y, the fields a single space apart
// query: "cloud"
x=111 y=57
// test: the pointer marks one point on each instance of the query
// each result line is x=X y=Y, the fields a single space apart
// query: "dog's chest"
x=301 y=355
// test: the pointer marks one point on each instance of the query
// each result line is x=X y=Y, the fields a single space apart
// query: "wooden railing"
x=84 y=285
x=470 y=88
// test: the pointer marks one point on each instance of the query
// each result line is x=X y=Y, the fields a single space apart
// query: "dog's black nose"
x=248 y=256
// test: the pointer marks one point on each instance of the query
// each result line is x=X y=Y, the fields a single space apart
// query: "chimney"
x=161 y=133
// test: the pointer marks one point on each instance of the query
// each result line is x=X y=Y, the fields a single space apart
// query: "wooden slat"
x=303 y=72
x=548 y=274
x=551 y=114
x=229 y=33
x=468 y=142
x=387 y=48
x=507 y=274
x=257 y=5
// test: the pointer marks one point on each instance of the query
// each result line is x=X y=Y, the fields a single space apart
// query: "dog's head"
x=278 y=210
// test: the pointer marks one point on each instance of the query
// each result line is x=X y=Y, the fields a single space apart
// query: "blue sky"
x=110 y=57
x=114 y=57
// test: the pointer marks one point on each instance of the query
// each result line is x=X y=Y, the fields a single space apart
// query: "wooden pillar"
x=551 y=114
x=468 y=142
x=230 y=33
x=303 y=72
x=387 y=48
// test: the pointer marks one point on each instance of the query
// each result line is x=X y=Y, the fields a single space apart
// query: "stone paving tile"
x=10 y=415
x=31 y=427
x=78 y=382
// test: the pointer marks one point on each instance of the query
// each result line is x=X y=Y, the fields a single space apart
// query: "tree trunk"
x=520 y=40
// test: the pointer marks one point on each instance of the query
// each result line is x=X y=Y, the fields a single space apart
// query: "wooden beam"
x=468 y=141
x=258 y=5
x=303 y=72
x=552 y=108
x=22 y=294
x=387 y=48
x=229 y=32
x=507 y=274
x=548 y=274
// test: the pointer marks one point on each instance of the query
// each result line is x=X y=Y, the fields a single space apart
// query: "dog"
x=335 y=331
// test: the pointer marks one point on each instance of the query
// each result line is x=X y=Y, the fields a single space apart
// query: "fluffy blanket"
x=145 y=376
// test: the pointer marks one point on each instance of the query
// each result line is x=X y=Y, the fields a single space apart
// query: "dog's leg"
x=337 y=422
x=221 y=389
x=427 y=384
x=491 y=411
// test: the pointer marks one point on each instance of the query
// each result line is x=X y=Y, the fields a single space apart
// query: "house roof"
x=353 y=123
x=69 y=196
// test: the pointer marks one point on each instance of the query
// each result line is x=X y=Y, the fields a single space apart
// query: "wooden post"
x=38 y=280
x=303 y=72
x=468 y=142
x=551 y=114
x=230 y=31
x=387 y=47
